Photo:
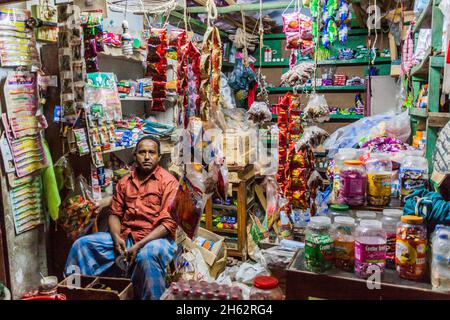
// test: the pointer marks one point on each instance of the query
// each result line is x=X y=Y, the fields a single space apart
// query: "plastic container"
x=365 y=215
x=390 y=219
x=339 y=158
x=413 y=174
x=339 y=210
x=318 y=245
x=342 y=231
x=353 y=180
x=440 y=263
x=379 y=180
x=265 y=288
x=411 y=248
x=370 y=248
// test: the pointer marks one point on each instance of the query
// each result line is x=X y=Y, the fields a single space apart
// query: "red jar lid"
x=265 y=282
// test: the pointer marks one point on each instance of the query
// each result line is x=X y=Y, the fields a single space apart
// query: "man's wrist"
x=115 y=236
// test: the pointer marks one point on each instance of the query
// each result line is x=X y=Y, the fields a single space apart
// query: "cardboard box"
x=210 y=256
x=81 y=287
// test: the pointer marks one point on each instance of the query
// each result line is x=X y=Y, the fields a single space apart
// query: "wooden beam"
x=237 y=7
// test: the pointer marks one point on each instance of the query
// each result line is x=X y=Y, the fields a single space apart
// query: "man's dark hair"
x=152 y=138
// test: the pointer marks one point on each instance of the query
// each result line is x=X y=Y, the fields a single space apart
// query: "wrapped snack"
x=298 y=75
x=317 y=109
x=259 y=112
x=312 y=138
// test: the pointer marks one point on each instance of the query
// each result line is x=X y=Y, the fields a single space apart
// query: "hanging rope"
x=143 y=6
x=316 y=50
x=212 y=11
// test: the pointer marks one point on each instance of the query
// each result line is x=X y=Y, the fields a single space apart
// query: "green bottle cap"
x=339 y=207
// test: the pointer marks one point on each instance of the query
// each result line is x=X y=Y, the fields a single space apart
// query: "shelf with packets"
x=242 y=180
x=318 y=89
x=362 y=61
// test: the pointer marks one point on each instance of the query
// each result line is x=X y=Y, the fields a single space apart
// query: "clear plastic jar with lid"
x=379 y=180
x=365 y=215
x=411 y=248
x=339 y=158
x=342 y=232
x=265 y=288
x=353 y=180
x=318 y=245
x=370 y=248
x=413 y=174
x=389 y=221
x=337 y=210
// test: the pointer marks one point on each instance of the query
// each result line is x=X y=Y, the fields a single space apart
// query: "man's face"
x=147 y=157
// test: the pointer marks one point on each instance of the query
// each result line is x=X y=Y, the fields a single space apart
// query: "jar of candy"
x=379 y=180
x=337 y=210
x=365 y=215
x=265 y=288
x=318 y=245
x=339 y=158
x=389 y=221
x=370 y=248
x=413 y=174
x=353 y=180
x=344 y=243
x=411 y=247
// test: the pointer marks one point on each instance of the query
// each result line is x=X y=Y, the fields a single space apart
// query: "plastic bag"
x=397 y=127
x=259 y=112
x=312 y=138
x=423 y=44
x=64 y=174
x=77 y=214
x=419 y=6
x=317 y=109
x=242 y=77
x=360 y=131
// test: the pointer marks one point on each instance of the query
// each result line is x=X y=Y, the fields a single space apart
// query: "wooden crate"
x=121 y=288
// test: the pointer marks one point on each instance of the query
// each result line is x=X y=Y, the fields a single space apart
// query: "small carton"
x=211 y=255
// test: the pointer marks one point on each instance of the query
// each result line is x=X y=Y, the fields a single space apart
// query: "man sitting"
x=140 y=226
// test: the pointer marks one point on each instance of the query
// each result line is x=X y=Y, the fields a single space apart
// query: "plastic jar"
x=353 y=180
x=413 y=174
x=370 y=248
x=379 y=180
x=265 y=288
x=344 y=243
x=339 y=158
x=339 y=210
x=389 y=221
x=440 y=271
x=411 y=248
x=318 y=245
x=365 y=215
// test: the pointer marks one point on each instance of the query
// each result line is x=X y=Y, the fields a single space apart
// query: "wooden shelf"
x=438 y=119
x=350 y=62
x=418 y=112
x=229 y=231
x=224 y=207
x=424 y=18
x=346 y=116
x=133 y=59
x=136 y=99
x=318 y=89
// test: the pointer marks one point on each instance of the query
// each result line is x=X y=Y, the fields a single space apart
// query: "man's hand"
x=102 y=204
x=120 y=246
x=132 y=253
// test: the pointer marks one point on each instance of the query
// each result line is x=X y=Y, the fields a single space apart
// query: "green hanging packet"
x=314 y=7
x=332 y=6
x=332 y=31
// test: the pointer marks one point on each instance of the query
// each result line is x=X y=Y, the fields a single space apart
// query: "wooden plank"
x=438 y=119
x=242 y=220
x=437 y=22
x=260 y=194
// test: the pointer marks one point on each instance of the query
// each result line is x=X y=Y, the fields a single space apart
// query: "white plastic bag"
x=317 y=109
x=423 y=44
x=247 y=272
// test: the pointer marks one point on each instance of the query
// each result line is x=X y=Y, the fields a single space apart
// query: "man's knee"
x=152 y=251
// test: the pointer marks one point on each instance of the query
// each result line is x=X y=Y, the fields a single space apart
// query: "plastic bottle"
x=410 y=248
x=344 y=242
x=365 y=215
x=353 y=180
x=440 y=263
x=370 y=248
x=318 y=245
x=389 y=221
x=339 y=210
x=379 y=180
x=413 y=174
